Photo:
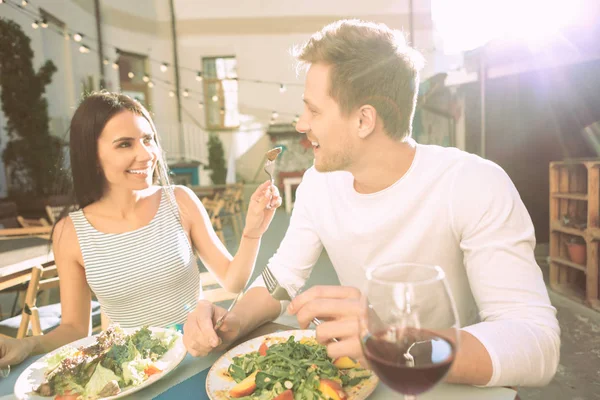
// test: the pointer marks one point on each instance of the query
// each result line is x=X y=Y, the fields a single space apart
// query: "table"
x=190 y=367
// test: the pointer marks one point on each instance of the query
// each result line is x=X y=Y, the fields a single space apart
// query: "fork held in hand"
x=222 y=319
x=278 y=292
x=271 y=156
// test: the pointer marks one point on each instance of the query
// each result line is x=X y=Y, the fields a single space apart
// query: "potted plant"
x=216 y=160
x=577 y=250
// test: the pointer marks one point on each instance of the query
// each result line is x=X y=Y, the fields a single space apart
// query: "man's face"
x=329 y=131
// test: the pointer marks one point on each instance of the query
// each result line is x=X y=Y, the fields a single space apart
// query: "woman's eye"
x=124 y=144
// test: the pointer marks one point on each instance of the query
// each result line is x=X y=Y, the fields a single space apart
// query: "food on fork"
x=273 y=153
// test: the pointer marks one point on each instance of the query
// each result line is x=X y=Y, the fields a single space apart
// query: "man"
x=374 y=197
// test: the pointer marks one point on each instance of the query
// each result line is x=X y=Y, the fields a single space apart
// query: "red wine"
x=411 y=361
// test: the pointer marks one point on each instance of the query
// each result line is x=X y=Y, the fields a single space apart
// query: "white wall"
x=143 y=27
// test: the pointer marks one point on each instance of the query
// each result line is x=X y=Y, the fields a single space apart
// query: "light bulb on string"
x=84 y=49
x=200 y=104
x=115 y=65
x=282 y=88
x=186 y=93
x=164 y=67
x=215 y=98
x=34 y=24
x=199 y=76
x=24 y=3
x=171 y=93
x=275 y=115
x=44 y=24
x=105 y=61
x=150 y=84
x=131 y=75
x=77 y=37
x=146 y=78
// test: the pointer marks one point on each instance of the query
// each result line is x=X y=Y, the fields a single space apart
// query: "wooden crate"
x=575 y=193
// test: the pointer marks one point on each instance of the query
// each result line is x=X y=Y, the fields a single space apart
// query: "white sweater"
x=451 y=209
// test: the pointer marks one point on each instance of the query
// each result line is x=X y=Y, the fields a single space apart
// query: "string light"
x=131 y=75
x=78 y=37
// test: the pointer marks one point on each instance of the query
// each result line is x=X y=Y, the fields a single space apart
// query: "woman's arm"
x=75 y=295
x=231 y=272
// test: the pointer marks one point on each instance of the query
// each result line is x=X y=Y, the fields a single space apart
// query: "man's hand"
x=199 y=336
x=339 y=308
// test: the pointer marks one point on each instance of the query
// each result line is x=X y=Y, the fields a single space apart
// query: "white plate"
x=218 y=384
x=33 y=376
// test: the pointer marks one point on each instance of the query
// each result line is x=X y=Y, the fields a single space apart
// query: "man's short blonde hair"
x=370 y=64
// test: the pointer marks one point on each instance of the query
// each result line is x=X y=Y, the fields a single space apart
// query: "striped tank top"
x=147 y=276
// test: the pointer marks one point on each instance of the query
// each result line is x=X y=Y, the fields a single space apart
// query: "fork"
x=271 y=156
x=278 y=292
x=222 y=319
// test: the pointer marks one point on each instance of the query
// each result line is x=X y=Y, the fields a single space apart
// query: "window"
x=132 y=69
x=220 y=92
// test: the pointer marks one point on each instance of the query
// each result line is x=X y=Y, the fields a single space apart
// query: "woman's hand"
x=14 y=351
x=263 y=203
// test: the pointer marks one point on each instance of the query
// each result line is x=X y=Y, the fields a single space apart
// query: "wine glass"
x=409 y=326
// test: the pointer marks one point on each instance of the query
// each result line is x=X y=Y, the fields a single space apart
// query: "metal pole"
x=176 y=72
x=102 y=82
x=482 y=84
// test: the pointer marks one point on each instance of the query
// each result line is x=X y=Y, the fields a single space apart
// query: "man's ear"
x=367 y=118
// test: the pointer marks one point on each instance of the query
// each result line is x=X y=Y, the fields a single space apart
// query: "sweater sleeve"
x=518 y=324
x=300 y=248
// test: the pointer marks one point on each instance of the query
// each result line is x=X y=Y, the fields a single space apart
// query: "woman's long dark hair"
x=87 y=124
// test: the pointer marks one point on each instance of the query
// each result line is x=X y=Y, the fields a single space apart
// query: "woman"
x=132 y=241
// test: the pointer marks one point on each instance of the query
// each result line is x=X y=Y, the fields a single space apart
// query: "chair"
x=213 y=208
x=41 y=275
x=34 y=223
x=54 y=212
x=232 y=211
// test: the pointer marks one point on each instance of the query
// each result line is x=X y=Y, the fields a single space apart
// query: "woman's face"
x=128 y=152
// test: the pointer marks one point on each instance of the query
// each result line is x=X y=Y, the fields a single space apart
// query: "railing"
x=192 y=148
